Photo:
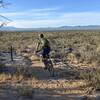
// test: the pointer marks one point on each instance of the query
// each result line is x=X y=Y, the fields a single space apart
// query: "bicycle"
x=48 y=64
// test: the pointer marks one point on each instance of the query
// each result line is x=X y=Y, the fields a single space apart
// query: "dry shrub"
x=92 y=77
x=26 y=91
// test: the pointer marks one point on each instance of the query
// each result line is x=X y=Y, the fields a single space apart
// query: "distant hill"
x=8 y=28
x=89 y=27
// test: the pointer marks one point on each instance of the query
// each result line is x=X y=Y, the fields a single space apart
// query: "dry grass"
x=26 y=91
x=85 y=54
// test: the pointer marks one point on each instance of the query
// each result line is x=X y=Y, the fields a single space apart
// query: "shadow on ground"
x=12 y=93
x=38 y=72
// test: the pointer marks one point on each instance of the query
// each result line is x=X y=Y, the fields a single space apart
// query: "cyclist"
x=44 y=47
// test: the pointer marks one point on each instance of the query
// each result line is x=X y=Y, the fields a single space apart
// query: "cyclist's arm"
x=38 y=44
x=39 y=47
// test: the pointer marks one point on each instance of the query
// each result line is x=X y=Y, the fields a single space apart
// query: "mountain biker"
x=44 y=47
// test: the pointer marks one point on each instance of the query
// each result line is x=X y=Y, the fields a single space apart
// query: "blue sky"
x=52 y=13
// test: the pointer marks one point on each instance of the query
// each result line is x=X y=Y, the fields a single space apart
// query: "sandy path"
x=59 y=87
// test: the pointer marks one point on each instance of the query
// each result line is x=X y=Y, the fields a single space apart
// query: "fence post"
x=11 y=50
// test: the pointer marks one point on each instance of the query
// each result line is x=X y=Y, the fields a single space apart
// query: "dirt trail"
x=64 y=86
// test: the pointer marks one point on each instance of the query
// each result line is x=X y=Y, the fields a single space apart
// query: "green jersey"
x=44 y=43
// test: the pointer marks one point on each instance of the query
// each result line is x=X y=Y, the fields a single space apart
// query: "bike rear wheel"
x=50 y=68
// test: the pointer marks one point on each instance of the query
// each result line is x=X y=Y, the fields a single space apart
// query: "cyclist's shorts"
x=46 y=51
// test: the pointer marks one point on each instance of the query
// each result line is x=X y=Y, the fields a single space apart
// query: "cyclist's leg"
x=47 y=62
x=44 y=59
x=50 y=66
x=45 y=55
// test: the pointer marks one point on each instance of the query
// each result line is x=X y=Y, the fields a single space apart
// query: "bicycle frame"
x=48 y=64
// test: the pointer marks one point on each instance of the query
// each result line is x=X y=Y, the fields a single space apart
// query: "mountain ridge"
x=88 y=27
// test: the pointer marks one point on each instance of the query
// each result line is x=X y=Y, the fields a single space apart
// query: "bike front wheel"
x=50 y=68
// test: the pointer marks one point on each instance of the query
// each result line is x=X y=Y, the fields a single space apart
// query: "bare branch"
x=3 y=24
x=5 y=18
x=3 y=5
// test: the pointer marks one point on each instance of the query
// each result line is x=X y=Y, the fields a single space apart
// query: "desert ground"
x=25 y=77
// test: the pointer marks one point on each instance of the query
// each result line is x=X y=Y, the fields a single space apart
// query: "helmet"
x=41 y=35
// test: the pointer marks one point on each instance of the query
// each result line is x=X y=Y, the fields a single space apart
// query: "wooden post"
x=11 y=50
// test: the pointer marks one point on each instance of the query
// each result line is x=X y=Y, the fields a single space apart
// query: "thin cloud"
x=34 y=12
x=34 y=23
x=54 y=19
x=44 y=9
